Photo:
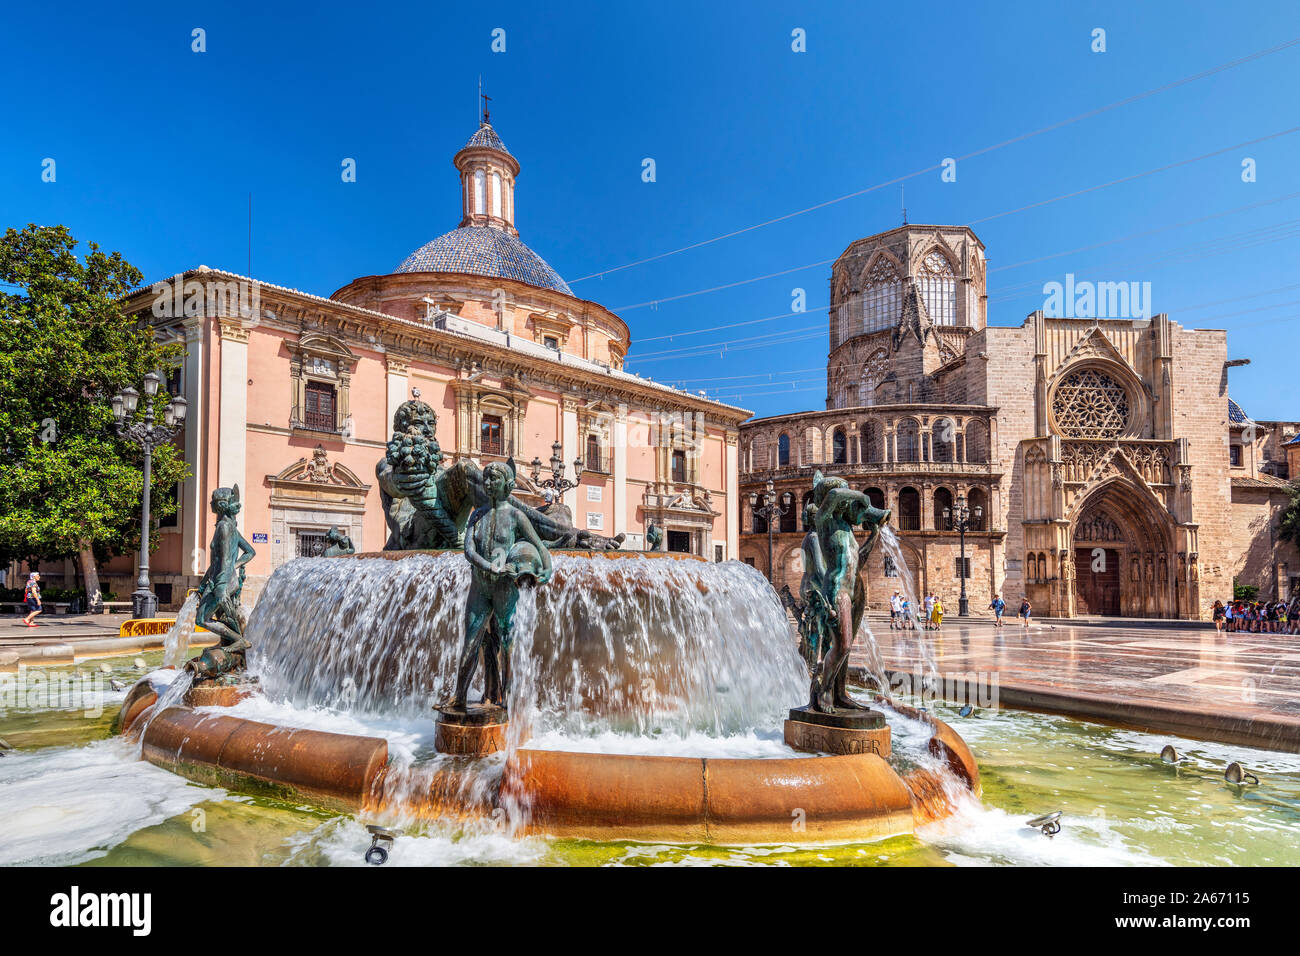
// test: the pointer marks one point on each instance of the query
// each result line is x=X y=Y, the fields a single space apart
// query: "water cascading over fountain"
x=628 y=644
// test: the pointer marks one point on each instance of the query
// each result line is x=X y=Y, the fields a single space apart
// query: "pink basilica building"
x=291 y=397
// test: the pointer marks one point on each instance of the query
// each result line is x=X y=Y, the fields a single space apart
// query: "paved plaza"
x=1236 y=687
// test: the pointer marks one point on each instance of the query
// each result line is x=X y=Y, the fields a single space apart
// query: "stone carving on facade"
x=1097 y=527
x=1089 y=403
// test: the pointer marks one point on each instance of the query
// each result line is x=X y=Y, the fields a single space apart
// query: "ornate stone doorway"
x=1124 y=556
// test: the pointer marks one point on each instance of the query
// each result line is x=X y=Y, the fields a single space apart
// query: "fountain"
x=580 y=691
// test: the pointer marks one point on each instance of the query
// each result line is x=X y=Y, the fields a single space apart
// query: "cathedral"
x=1097 y=465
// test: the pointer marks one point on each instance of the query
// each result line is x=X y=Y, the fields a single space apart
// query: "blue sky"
x=157 y=148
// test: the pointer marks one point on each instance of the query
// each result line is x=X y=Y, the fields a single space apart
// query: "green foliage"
x=1289 y=524
x=66 y=348
x=1244 y=592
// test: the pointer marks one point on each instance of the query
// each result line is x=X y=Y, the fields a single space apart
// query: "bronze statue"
x=654 y=537
x=833 y=593
x=219 y=609
x=505 y=553
x=339 y=543
x=427 y=505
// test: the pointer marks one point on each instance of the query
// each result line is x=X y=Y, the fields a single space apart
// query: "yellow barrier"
x=148 y=626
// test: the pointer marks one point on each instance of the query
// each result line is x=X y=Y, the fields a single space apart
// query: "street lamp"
x=960 y=518
x=557 y=483
x=770 y=511
x=146 y=433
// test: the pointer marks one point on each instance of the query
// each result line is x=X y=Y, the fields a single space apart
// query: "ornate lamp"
x=146 y=433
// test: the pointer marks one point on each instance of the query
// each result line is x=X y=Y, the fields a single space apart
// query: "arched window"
x=875 y=369
x=876 y=497
x=907 y=440
x=977 y=440
x=480 y=192
x=872 y=445
x=909 y=510
x=1088 y=403
x=942 y=504
x=977 y=499
x=496 y=194
x=759 y=522
x=938 y=288
x=843 y=309
x=882 y=296
x=943 y=440
x=783 y=450
x=839 y=447
x=790 y=520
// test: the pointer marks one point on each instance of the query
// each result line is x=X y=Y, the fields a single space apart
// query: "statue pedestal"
x=218 y=694
x=846 y=732
x=473 y=731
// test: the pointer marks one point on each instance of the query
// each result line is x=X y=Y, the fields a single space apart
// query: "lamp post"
x=146 y=433
x=557 y=484
x=769 y=511
x=960 y=519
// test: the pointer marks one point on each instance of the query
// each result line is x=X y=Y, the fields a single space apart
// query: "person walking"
x=936 y=614
x=929 y=606
x=32 y=598
x=1218 y=616
x=997 y=607
x=1025 y=610
x=895 y=611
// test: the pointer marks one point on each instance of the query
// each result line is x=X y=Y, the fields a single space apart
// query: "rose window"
x=1090 y=404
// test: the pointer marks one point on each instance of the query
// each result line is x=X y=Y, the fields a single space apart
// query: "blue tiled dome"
x=484 y=251
x=485 y=135
x=1235 y=415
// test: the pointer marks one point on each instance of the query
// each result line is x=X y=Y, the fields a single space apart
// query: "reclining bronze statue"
x=428 y=505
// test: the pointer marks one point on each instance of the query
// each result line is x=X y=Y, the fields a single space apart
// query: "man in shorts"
x=997 y=607
x=895 y=612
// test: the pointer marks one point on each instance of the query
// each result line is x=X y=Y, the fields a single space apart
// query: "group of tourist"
x=904 y=617
x=1258 y=617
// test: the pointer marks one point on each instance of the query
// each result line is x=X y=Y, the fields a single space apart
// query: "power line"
x=654 y=303
x=979 y=152
x=1129 y=179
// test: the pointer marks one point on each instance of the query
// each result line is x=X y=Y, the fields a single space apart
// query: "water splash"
x=893 y=547
x=629 y=644
x=179 y=683
x=177 y=642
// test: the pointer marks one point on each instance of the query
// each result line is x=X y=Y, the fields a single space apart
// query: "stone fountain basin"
x=596 y=796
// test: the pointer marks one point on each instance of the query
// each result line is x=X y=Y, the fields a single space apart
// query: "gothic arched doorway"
x=1123 y=550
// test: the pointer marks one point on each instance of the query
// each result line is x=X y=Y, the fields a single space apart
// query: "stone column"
x=730 y=508
x=194 y=511
x=569 y=439
x=620 y=471
x=232 y=434
x=398 y=387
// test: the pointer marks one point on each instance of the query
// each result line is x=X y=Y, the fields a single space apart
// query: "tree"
x=1288 y=528
x=69 y=485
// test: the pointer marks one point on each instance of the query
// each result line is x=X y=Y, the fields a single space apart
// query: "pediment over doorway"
x=317 y=469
